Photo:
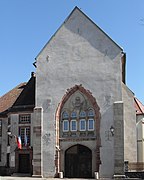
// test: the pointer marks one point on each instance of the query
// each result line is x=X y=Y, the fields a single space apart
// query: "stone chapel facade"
x=80 y=95
x=83 y=119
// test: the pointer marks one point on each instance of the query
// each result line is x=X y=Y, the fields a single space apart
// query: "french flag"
x=19 y=142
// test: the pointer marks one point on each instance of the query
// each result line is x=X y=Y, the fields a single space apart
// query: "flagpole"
x=25 y=138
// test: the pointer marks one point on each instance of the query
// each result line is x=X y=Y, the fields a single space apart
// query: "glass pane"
x=25 y=135
x=82 y=125
x=24 y=118
x=65 y=115
x=73 y=125
x=91 y=113
x=90 y=124
x=73 y=114
x=65 y=125
x=82 y=114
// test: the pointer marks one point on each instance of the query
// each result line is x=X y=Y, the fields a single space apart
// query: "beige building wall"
x=140 y=138
x=130 y=135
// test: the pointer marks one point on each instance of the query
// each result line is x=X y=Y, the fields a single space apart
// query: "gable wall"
x=79 y=53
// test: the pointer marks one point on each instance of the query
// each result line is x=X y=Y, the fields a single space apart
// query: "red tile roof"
x=138 y=106
x=7 y=100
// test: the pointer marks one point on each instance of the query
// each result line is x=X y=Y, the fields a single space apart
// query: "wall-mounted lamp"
x=9 y=133
x=112 y=130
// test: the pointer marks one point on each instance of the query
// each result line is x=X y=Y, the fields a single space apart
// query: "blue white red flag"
x=19 y=142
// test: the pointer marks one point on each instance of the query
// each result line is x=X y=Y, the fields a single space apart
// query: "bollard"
x=61 y=175
x=96 y=175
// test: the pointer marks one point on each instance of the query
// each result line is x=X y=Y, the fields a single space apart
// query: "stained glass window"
x=82 y=125
x=73 y=125
x=82 y=114
x=65 y=125
x=65 y=115
x=91 y=124
x=74 y=114
x=91 y=113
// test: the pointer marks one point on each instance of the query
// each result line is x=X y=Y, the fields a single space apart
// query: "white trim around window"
x=90 y=124
x=65 y=125
x=82 y=125
x=73 y=124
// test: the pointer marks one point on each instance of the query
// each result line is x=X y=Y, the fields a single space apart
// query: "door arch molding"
x=96 y=109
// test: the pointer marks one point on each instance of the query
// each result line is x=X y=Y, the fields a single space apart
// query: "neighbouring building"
x=76 y=113
x=16 y=118
x=140 y=130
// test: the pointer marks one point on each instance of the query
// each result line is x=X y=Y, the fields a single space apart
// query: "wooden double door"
x=23 y=159
x=24 y=163
x=78 y=162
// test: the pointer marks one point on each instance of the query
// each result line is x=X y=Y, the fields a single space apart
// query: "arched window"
x=91 y=113
x=73 y=115
x=65 y=115
x=78 y=119
x=82 y=114
x=78 y=116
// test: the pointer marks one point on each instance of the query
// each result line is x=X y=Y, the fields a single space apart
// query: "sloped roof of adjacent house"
x=82 y=14
x=7 y=100
x=20 y=97
x=138 y=106
x=27 y=96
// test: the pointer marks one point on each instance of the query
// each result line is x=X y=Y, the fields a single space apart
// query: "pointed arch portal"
x=78 y=162
x=77 y=119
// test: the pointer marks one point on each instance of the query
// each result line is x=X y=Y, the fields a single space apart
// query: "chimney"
x=32 y=74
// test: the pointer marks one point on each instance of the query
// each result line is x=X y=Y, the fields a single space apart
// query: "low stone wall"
x=139 y=174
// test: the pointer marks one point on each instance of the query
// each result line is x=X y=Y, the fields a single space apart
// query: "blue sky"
x=26 y=26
